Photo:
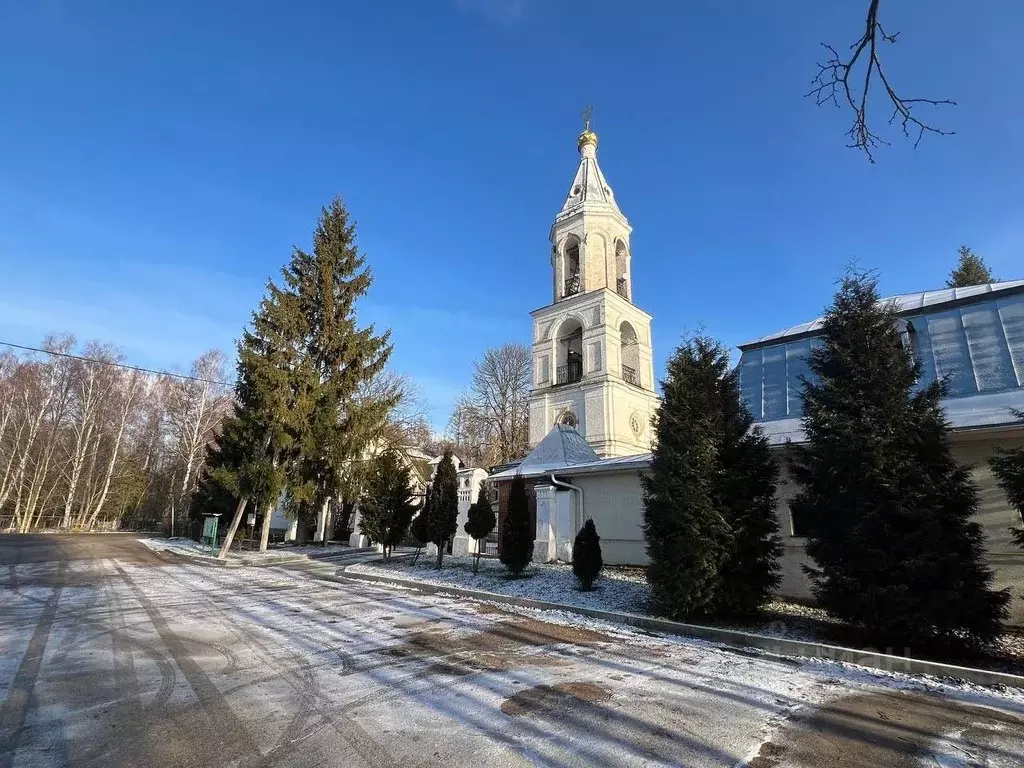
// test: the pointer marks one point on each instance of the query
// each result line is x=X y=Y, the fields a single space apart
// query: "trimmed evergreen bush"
x=443 y=520
x=517 y=532
x=386 y=505
x=686 y=533
x=750 y=573
x=586 y=555
x=480 y=521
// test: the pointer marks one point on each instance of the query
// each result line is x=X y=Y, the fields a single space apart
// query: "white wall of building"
x=995 y=516
x=469 y=488
x=615 y=502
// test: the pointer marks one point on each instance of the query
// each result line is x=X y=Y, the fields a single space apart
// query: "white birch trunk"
x=230 y=537
x=132 y=391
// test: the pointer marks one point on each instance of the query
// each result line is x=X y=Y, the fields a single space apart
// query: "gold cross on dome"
x=588 y=113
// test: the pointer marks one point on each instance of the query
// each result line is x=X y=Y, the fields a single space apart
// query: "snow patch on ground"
x=618 y=589
x=188 y=547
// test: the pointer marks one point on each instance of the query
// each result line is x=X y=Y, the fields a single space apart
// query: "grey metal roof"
x=615 y=464
x=564 y=451
x=563 y=446
x=905 y=303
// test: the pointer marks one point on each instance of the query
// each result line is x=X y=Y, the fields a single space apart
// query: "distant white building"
x=424 y=469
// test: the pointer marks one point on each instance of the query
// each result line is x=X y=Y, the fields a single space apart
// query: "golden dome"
x=587 y=137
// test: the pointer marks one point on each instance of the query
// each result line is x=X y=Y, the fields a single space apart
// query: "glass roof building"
x=973 y=337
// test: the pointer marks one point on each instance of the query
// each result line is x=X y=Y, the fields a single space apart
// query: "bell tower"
x=592 y=361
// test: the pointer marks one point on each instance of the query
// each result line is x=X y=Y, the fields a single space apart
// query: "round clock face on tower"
x=636 y=424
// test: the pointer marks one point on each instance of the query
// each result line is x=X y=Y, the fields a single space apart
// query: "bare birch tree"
x=195 y=409
x=493 y=414
x=85 y=442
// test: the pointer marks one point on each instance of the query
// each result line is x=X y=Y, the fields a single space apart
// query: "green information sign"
x=210 y=532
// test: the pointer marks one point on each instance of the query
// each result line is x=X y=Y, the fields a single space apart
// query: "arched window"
x=568 y=418
x=571 y=266
x=569 y=352
x=622 y=286
x=630 y=354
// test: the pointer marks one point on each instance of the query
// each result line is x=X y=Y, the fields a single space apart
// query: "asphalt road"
x=112 y=655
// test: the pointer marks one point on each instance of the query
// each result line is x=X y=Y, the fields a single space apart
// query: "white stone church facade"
x=593 y=391
x=593 y=367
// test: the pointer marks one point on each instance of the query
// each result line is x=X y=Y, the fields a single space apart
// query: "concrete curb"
x=775 y=646
x=236 y=563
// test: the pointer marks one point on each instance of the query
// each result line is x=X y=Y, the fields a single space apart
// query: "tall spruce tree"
x=338 y=359
x=1008 y=467
x=386 y=507
x=686 y=532
x=517 y=530
x=443 y=521
x=748 y=475
x=971 y=269
x=889 y=511
x=268 y=412
x=480 y=521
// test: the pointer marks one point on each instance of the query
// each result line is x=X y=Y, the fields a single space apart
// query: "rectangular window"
x=916 y=336
x=993 y=368
x=797 y=369
x=797 y=523
x=750 y=382
x=952 y=356
x=1011 y=314
x=773 y=381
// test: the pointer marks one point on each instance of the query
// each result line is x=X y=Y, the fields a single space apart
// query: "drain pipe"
x=577 y=518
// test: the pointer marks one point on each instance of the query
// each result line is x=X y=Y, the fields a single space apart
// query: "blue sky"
x=158 y=161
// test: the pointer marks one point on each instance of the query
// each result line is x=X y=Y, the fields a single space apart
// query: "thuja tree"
x=386 y=506
x=586 y=556
x=443 y=520
x=480 y=521
x=747 y=478
x=686 y=532
x=517 y=531
x=889 y=511
x=1008 y=467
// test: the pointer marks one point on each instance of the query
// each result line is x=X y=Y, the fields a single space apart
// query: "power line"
x=116 y=365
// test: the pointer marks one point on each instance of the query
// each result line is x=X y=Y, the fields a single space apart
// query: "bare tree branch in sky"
x=848 y=81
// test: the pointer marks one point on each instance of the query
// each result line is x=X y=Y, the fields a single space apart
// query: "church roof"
x=562 y=447
x=589 y=187
x=564 y=452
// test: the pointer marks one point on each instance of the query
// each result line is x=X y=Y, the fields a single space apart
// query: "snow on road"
x=189 y=547
x=185 y=664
